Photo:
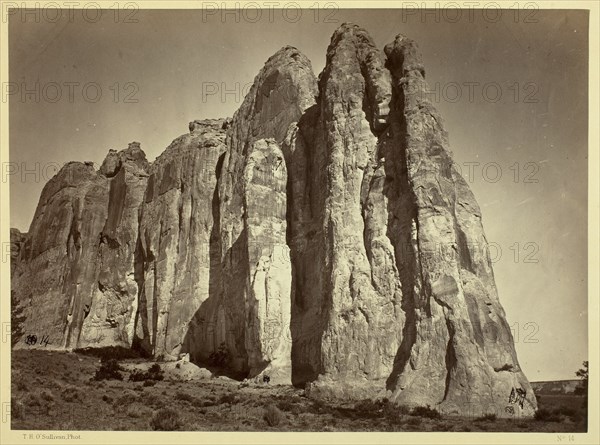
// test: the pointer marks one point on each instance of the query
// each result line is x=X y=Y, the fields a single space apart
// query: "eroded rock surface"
x=177 y=255
x=281 y=92
x=268 y=337
x=17 y=242
x=393 y=287
x=347 y=318
x=74 y=276
x=322 y=236
x=109 y=317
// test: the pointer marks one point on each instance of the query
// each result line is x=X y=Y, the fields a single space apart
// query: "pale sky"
x=512 y=91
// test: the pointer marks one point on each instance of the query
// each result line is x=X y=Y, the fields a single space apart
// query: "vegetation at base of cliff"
x=154 y=373
x=490 y=417
x=273 y=415
x=109 y=352
x=52 y=390
x=166 y=419
x=426 y=411
x=109 y=370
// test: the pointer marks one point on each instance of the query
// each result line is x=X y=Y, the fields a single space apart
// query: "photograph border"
x=9 y=436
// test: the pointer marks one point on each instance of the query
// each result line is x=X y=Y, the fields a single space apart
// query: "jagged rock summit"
x=322 y=237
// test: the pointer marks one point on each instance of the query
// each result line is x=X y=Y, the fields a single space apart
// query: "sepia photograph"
x=299 y=217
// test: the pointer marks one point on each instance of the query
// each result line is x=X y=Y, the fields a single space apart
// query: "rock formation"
x=322 y=236
x=17 y=242
x=75 y=271
x=176 y=252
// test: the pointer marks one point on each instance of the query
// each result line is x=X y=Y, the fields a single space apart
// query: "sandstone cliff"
x=75 y=271
x=322 y=236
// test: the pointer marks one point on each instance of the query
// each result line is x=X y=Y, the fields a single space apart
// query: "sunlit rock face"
x=175 y=255
x=321 y=237
x=457 y=349
x=74 y=276
x=393 y=290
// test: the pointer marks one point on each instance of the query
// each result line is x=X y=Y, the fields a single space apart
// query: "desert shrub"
x=32 y=399
x=149 y=383
x=66 y=425
x=273 y=415
x=153 y=400
x=578 y=416
x=442 y=427
x=165 y=419
x=132 y=411
x=109 y=370
x=285 y=405
x=565 y=411
x=393 y=411
x=414 y=421
x=17 y=410
x=489 y=417
x=465 y=428
x=185 y=397
x=319 y=406
x=137 y=411
x=153 y=373
x=198 y=403
x=546 y=415
x=228 y=398
x=109 y=353
x=426 y=411
x=369 y=408
x=125 y=400
x=297 y=410
x=137 y=376
x=47 y=395
x=71 y=394
x=220 y=357
x=41 y=403
x=20 y=383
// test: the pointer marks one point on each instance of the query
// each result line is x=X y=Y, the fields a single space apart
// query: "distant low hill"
x=555 y=387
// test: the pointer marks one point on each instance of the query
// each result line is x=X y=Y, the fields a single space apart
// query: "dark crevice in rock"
x=450 y=358
x=400 y=227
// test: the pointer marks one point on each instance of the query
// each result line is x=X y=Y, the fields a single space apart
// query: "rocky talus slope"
x=322 y=236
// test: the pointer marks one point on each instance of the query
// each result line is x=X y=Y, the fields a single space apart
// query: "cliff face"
x=74 y=275
x=394 y=289
x=457 y=348
x=251 y=222
x=347 y=296
x=17 y=242
x=175 y=253
x=322 y=236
